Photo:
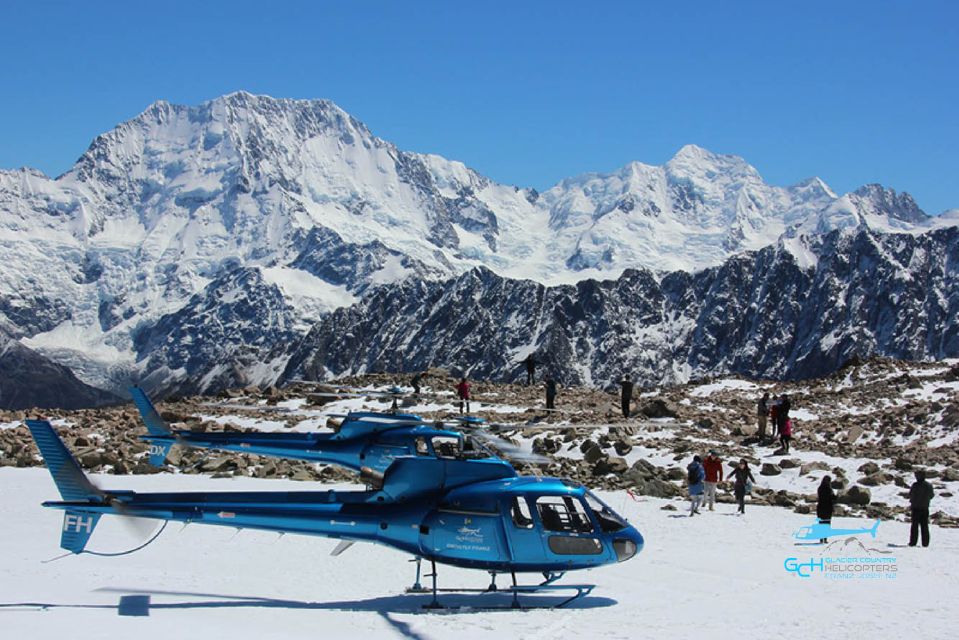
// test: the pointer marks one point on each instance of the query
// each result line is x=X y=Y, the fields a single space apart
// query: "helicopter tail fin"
x=73 y=485
x=77 y=528
x=156 y=425
x=67 y=474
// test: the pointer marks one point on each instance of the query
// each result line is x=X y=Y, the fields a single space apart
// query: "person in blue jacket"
x=695 y=474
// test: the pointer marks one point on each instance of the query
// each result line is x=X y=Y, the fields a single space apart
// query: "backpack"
x=693 y=474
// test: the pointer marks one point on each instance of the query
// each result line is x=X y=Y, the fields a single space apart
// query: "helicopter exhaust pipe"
x=372 y=478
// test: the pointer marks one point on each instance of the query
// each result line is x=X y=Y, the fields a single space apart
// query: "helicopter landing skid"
x=548 y=585
x=581 y=591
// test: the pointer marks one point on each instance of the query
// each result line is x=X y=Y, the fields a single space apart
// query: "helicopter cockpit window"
x=609 y=520
x=446 y=447
x=474 y=449
x=563 y=513
x=522 y=517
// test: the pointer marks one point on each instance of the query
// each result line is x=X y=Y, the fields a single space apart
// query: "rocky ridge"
x=869 y=425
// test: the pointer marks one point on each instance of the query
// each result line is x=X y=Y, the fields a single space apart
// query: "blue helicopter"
x=448 y=511
x=363 y=439
x=366 y=442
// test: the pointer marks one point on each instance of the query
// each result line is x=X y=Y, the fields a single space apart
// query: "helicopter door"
x=464 y=535
x=524 y=538
x=568 y=531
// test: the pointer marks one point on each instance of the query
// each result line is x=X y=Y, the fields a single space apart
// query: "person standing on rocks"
x=762 y=410
x=774 y=418
x=415 y=382
x=824 y=506
x=695 y=474
x=742 y=483
x=530 y=369
x=920 y=495
x=627 y=394
x=550 y=385
x=714 y=475
x=463 y=391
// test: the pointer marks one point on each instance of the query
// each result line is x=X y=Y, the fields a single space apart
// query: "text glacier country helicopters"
x=444 y=510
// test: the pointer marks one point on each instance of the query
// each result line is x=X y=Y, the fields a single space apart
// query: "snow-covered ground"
x=717 y=575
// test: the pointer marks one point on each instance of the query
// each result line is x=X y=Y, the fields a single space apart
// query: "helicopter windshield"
x=446 y=446
x=473 y=448
x=609 y=520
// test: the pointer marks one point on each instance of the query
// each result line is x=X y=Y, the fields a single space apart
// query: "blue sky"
x=526 y=93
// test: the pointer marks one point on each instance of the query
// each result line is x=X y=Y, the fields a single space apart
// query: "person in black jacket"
x=530 y=369
x=826 y=500
x=550 y=385
x=742 y=479
x=920 y=495
x=627 y=387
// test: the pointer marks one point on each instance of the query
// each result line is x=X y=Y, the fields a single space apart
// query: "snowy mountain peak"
x=814 y=188
x=886 y=202
x=179 y=197
x=696 y=162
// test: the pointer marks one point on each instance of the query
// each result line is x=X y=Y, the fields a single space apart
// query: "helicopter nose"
x=627 y=544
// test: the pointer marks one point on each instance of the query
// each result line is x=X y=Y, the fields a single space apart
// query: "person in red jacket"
x=714 y=475
x=463 y=391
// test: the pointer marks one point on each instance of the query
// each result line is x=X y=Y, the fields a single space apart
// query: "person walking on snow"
x=920 y=495
x=743 y=481
x=530 y=369
x=463 y=391
x=825 y=504
x=714 y=474
x=695 y=474
x=627 y=384
x=550 y=385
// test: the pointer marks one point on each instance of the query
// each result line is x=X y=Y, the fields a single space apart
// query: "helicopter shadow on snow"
x=139 y=602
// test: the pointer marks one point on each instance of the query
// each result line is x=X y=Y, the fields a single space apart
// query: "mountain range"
x=248 y=239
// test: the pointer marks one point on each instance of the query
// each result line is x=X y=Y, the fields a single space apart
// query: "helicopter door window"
x=421 y=448
x=522 y=517
x=446 y=447
x=563 y=513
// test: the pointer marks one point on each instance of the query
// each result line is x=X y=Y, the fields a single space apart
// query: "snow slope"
x=717 y=574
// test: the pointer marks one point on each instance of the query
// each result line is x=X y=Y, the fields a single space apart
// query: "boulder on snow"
x=658 y=408
x=856 y=495
x=593 y=454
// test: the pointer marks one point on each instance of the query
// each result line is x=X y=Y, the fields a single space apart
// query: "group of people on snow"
x=776 y=413
x=704 y=477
